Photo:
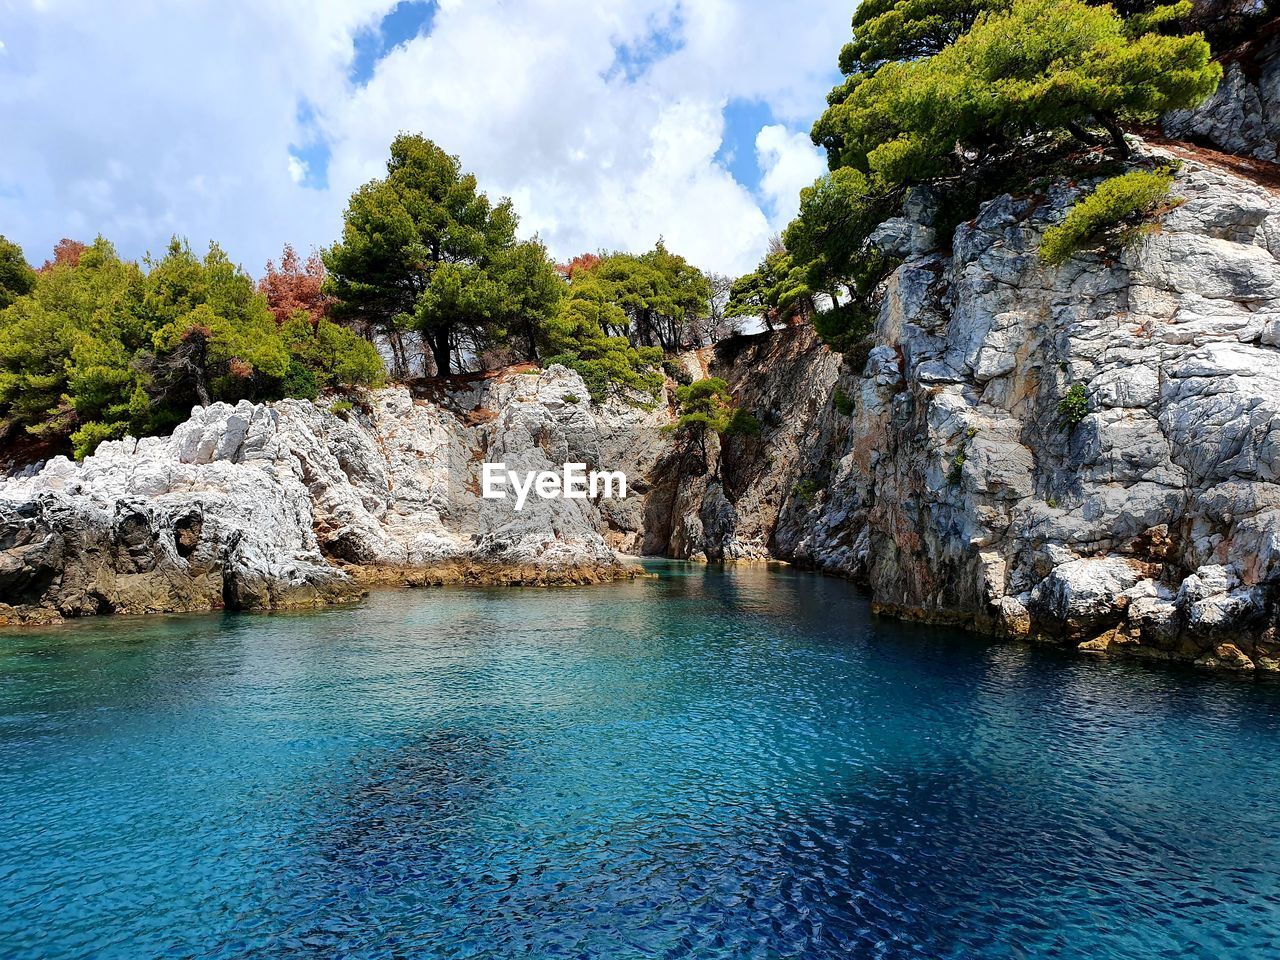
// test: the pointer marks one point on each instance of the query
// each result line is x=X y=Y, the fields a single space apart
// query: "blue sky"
x=609 y=124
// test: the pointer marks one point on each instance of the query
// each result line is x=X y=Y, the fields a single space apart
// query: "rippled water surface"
x=710 y=765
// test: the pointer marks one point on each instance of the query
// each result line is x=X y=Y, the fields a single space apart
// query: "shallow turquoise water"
x=711 y=765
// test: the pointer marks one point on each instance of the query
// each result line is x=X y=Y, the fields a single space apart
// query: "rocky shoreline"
x=935 y=468
x=290 y=504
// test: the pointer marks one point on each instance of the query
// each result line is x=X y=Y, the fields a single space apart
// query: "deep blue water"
x=713 y=764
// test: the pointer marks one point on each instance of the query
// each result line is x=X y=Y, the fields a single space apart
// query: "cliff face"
x=785 y=379
x=957 y=491
x=1243 y=116
x=292 y=504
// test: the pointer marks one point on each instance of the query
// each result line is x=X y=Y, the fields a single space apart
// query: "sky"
x=610 y=124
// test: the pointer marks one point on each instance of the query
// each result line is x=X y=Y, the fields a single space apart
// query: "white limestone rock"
x=251 y=505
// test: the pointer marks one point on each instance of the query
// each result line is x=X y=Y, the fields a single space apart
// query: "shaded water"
x=713 y=764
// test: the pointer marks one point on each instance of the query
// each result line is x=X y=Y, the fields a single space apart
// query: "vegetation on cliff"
x=946 y=92
x=939 y=93
x=705 y=407
x=1107 y=209
x=93 y=346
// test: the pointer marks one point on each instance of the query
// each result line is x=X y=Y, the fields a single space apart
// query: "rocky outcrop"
x=785 y=379
x=943 y=475
x=1243 y=116
x=292 y=503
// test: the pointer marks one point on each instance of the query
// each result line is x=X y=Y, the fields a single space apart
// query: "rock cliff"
x=1243 y=116
x=939 y=466
x=943 y=475
x=294 y=504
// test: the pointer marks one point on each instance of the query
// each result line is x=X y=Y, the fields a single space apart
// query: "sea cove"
x=712 y=763
x=689 y=480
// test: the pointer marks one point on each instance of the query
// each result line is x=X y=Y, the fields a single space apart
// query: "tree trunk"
x=440 y=351
x=199 y=369
x=1117 y=135
x=1084 y=136
x=396 y=343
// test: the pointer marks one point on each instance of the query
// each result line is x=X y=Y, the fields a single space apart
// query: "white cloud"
x=139 y=126
x=790 y=162
x=297 y=169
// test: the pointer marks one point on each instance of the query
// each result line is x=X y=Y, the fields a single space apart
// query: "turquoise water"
x=710 y=765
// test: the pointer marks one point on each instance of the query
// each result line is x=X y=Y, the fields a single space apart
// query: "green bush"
x=845 y=328
x=1074 y=407
x=610 y=365
x=842 y=402
x=333 y=356
x=1112 y=204
x=806 y=490
x=299 y=381
x=677 y=373
x=742 y=424
x=85 y=440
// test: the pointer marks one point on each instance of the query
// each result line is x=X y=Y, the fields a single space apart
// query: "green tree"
x=426 y=216
x=939 y=91
x=707 y=407
x=459 y=297
x=66 y=348
x=661 y=293
x=777 y=291
x=17 y=279
x=530 y=290
x=895 y=31
x=886 y=31
x=830 y=239
x=609 y=364
x=329 y=355
x=215 y=337
x=1037 y=66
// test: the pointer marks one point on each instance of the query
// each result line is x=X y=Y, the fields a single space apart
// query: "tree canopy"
x=93 y=346
x=777 y=291
x=295 y=285
x=662 y=295
x=419 y=250
x=100 y=346
x=1035 y=66
x=588 y=334
x=936 y=91
x=16 y=276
